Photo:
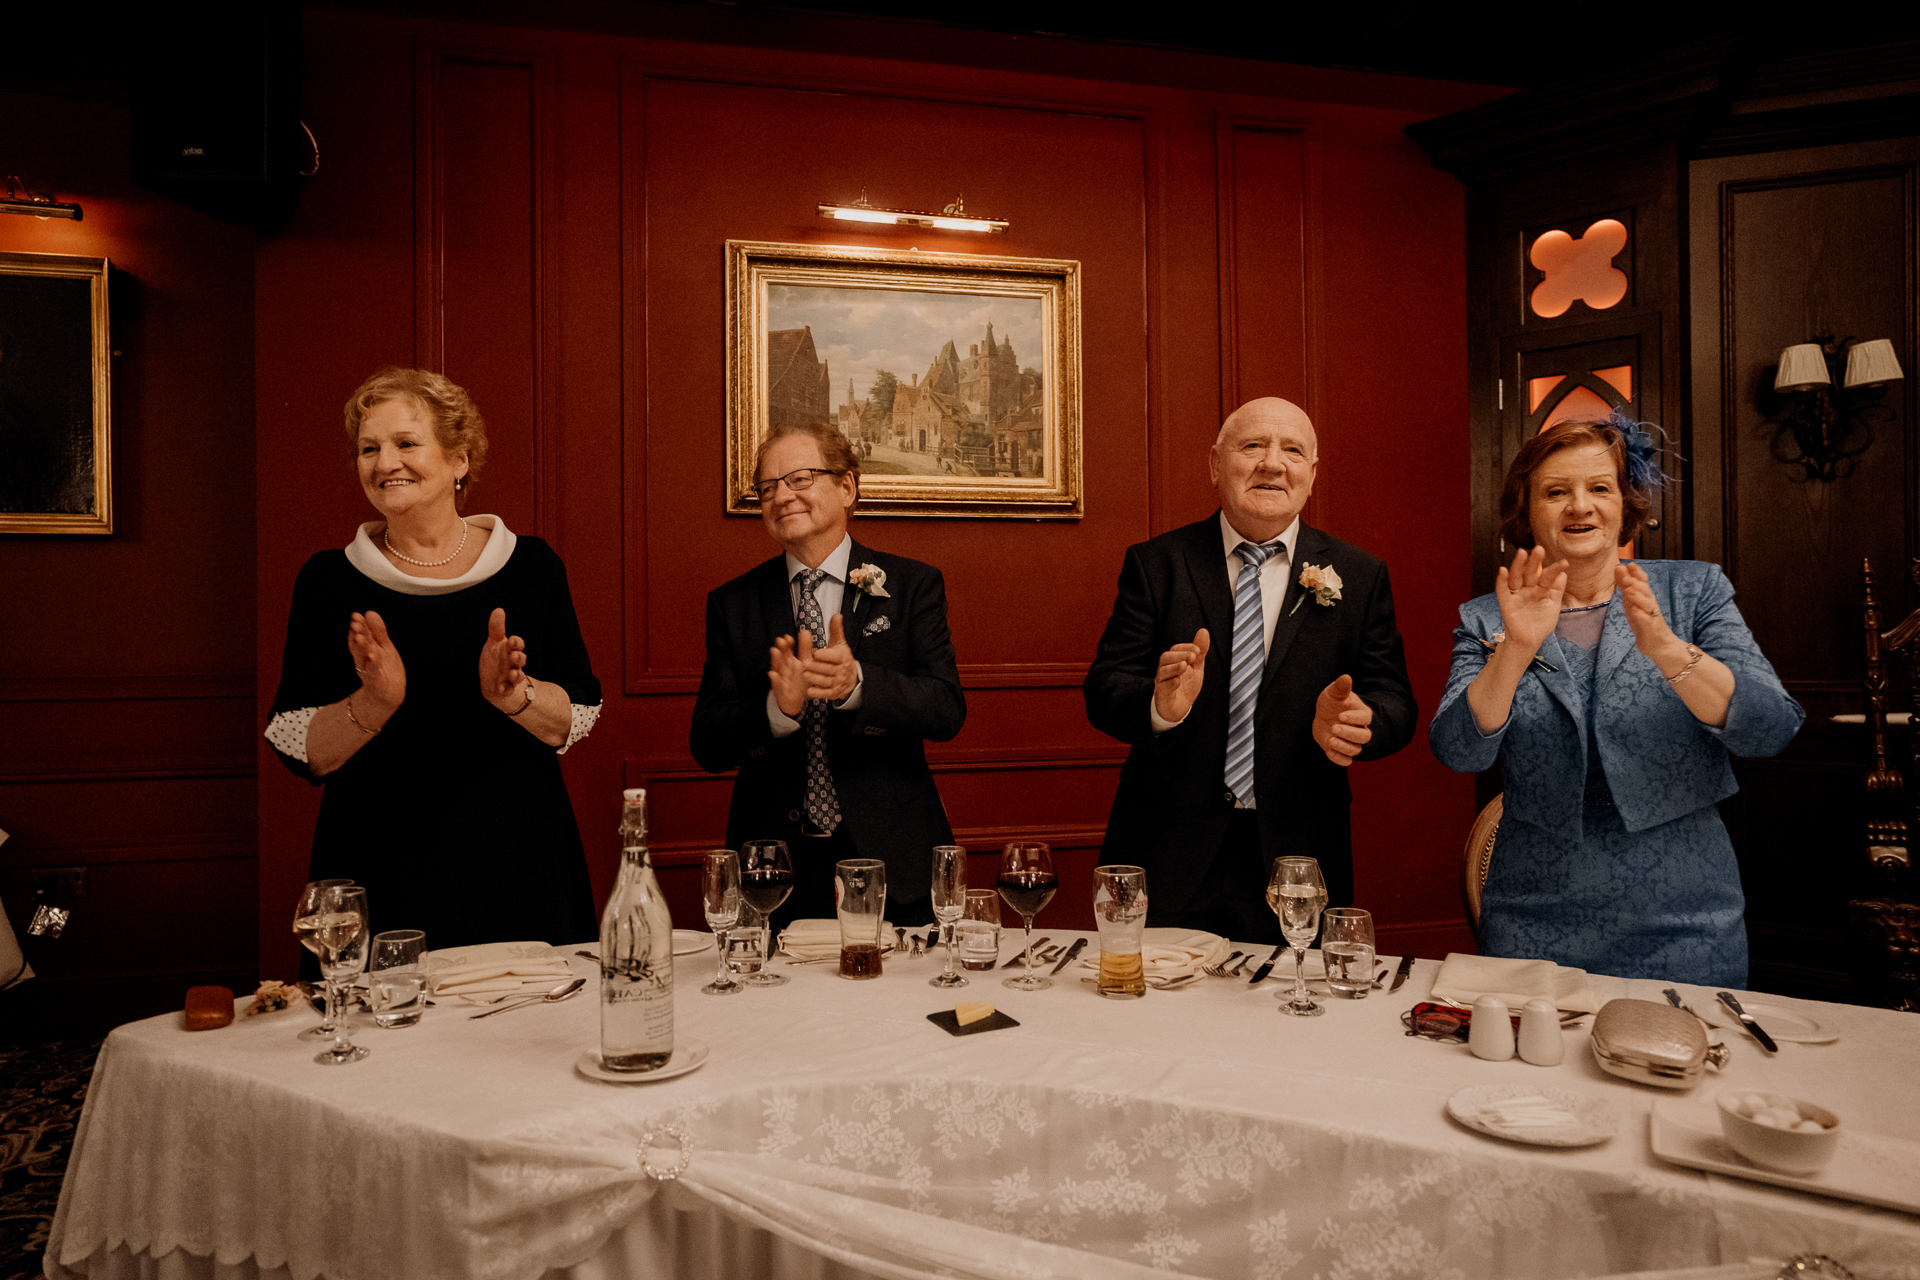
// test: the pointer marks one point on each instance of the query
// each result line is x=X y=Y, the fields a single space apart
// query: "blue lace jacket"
x=1660 y=762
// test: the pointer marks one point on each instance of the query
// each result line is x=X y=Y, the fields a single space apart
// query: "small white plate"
x=1595 y=1120
x=1778 y=1021
x=688 y=1055
x=1867 y=1167
x=690 y=942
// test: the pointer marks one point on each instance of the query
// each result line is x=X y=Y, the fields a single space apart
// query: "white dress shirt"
x=1273 y=593
x=830 y=592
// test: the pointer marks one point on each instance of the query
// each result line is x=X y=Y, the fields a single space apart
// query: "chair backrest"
x=1473 y=870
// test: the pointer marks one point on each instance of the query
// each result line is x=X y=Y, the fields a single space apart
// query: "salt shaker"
x=1540 y=1041
x=1491 y=1035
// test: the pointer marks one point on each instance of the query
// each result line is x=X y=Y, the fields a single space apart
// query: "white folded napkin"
x=480 y=974
x=820 y=939
x=1165 y=962
x=1466 y=978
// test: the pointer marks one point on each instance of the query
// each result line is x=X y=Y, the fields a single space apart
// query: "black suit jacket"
x=1172 y=808
x=910 y=695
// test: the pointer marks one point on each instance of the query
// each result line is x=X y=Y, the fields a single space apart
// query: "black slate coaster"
x=949 y=1021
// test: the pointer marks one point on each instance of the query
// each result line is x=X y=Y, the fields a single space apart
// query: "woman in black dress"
x=435 y=730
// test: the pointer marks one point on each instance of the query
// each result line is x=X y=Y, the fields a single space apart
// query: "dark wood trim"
x=162 y=773
x=126 y=688
x=212 y=846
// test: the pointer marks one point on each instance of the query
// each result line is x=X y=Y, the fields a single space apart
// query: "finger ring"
x=357 y=671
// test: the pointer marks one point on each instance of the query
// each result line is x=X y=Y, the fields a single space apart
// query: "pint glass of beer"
x=1120 y=911
x=860 y=898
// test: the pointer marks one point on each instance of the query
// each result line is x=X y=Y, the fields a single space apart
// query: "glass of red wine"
x=766 y=878
x=1027 y=884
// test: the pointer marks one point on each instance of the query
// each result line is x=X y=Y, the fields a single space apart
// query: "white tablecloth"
x=837 y=1132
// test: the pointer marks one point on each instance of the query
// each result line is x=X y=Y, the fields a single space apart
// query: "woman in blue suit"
x=1611 y=693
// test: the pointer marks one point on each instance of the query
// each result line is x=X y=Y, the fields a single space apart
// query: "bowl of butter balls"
x=1778 y=1132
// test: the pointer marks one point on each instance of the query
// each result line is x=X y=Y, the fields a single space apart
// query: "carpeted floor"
x=41 y=1089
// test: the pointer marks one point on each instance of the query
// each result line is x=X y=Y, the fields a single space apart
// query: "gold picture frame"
x=56 y=403
x=991 y=434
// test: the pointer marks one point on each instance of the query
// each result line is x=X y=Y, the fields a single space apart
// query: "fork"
x=1020 y=956
x=1235 y=971
x=1219 y=968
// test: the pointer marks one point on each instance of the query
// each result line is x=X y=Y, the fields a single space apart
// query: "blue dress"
x=1610 y=855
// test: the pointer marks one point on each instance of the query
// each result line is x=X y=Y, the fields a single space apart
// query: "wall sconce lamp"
x=40 y=205
x=952 y=218
x=1828 y=415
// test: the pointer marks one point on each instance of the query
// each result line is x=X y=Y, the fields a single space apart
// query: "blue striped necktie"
x=1249 y=658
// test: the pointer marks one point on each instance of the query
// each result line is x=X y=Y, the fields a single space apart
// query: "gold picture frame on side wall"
x=956 y=377
x=56 y=404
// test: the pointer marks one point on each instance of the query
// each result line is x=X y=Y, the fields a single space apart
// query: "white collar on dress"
x=835 y=564
x=364 y=555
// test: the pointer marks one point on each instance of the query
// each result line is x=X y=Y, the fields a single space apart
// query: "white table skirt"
x=839 y=1134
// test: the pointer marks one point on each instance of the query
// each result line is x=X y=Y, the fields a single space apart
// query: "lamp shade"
x=1872 y=362
x=1802 y=368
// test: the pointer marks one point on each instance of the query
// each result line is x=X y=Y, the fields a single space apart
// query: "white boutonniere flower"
x=1319 y=581
x=868 y=580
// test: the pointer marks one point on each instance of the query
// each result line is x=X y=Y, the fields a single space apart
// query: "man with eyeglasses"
x=1250 y=659
x=828 y=669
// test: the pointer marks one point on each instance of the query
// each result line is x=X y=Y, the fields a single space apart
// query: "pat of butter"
x=972 y=1012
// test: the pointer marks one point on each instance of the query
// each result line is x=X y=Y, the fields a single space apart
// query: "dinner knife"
x=1266 y=968
x=1400 y=974
x=1079 y=945
x=1746 y=1020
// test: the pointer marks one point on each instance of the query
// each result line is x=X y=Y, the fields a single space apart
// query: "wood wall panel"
x=1265 y=266
x=484 y=311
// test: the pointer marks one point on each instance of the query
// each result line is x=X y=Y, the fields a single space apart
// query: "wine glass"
x=1027 y=884
x=312 y=899
x=1297 y=895
x=766 y=878
x=949 y=903
x=720 y=898
x=343 y=935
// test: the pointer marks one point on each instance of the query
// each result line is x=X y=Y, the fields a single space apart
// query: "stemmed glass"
x=312 y=899
x=1297 y=895
x=342 y=930
x=1027 y=884
x=949 y=903
x=720 y=897
x=766 y=878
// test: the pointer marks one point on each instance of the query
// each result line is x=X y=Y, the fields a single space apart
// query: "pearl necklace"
x=386 y=537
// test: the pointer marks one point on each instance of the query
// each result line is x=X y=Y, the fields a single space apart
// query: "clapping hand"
x=1341 y=722
x=382 y=674
x=787 y=672
x=1531 y=592
x=1651 y=634
x=1177 y=681
x=503 y=659
x=831 y=673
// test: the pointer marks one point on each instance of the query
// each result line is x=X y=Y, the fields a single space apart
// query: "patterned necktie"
x=1249 y=657
x=823 y=806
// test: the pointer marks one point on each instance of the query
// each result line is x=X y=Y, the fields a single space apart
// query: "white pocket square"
x=878 y=624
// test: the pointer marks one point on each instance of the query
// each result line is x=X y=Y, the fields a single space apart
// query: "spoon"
x=560 y=992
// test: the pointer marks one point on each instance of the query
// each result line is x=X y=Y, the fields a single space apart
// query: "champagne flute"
x=305 y=923
x=949 y=903
x=766 y=878
x=1027 y=884
x=720 y=898
x=1297 y=895
x=344 y=935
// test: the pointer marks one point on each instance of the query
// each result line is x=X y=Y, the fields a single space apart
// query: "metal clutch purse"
x=1653 y=1044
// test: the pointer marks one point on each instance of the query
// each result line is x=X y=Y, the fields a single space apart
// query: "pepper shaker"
x=1491 y=1035
x=1540 y=1041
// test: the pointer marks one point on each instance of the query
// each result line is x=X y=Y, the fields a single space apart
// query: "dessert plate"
x=1780 y=1022
x=1868 y=1167
x=689 y=942
x=1589 y=1120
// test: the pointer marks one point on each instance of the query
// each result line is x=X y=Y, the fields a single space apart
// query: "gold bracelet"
x=1693 y=659
x=371 y=733
x=527 y=703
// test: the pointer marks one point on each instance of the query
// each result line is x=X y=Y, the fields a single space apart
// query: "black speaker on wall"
x=215 y=108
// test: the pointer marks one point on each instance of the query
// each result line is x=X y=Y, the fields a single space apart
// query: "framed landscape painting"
x=954 y=377
x=55 y=408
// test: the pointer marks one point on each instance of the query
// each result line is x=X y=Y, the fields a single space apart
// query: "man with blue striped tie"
x=1240 y=749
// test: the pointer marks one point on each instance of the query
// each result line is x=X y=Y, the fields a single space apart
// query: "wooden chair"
x=1473 y=870
x=1886 y=925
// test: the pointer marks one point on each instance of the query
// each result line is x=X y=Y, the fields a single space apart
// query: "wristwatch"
x=527 y=703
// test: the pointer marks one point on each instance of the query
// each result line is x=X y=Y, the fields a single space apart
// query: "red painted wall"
x=126 y=697
x=543 y=215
